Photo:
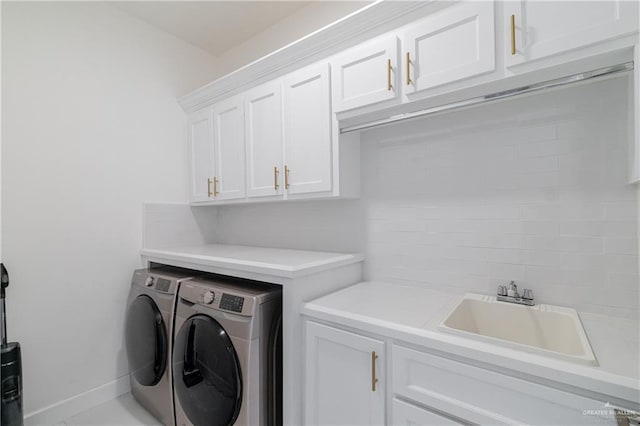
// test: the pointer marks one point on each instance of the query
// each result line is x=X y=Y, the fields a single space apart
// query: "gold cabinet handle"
x=513 y=34
x=408 y=69
x=209 y=194
x=286 y=177
x=389 y=69
x=275 y=178
x=215 y=186
x=374 y=379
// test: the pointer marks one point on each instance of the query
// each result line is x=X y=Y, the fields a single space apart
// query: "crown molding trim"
x=368 y=22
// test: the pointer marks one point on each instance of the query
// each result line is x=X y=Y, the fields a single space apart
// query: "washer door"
x=146 y=340
x=206 y=372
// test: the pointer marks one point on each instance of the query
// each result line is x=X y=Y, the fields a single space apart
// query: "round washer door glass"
x=146 y=341
x=206 y=372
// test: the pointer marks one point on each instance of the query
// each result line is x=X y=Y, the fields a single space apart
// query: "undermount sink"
x=549 y=330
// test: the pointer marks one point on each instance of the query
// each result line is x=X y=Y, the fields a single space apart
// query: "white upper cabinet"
x=366 y=74
x=228 y=138
x=344 y=382
x=263 y=109
x=537 y=29
x=450 y=45
x=307 y=130
x=201 y=155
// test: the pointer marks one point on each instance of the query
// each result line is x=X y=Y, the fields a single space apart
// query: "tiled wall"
x=532 y=190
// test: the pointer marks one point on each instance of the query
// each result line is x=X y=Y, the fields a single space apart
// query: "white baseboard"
x=59 y=411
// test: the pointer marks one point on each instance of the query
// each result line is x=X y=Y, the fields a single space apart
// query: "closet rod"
x=550 y=84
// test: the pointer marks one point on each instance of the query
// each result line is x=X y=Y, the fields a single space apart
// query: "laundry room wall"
x=532 y=189
x=90 y=129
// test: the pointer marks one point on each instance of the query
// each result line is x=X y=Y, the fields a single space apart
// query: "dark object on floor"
x=11 y=374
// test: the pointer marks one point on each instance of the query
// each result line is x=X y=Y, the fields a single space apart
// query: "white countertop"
x=284 y=263
x=411 y=314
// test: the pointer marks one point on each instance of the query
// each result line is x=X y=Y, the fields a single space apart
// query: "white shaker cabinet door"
x=405 y=414
x=201 y=155
x=453 y=44
x=307 y=130
x=537 y=29
x=341 y=372
x=263 y=121
x=366 y=74
x=228 y=128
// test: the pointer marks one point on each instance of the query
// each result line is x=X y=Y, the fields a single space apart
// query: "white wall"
x=533 y=190
x=304 y=21
x=90 y=129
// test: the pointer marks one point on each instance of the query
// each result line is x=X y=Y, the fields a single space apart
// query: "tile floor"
x=122 y=411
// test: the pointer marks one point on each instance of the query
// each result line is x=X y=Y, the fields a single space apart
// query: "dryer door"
x=206 y=372
x=146 y=340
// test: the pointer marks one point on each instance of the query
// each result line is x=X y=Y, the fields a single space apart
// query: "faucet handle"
x=527 y=293
x=502 y=290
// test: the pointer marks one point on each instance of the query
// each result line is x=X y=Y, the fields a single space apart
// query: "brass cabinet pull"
x=408 y=69
x=275 y=178
x=389 y=69
x=286 y=177
x=209 y=194
x=374 y=379
x=215 y=186
x=513 y=34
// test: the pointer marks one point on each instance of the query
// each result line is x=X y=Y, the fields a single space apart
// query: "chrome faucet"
x=510 y=294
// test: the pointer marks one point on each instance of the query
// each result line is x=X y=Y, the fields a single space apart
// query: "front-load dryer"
x=148 y=332
x=224 y=346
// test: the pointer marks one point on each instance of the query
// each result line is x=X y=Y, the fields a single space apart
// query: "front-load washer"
x=148 y=333
x=224 y=346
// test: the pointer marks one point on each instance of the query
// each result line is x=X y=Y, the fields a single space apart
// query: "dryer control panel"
x=231 y=302
x=218 y=296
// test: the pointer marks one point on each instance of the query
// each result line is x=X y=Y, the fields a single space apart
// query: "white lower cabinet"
x=344 y=378
x=479 y=396
x=406 y=414
x=345 y=385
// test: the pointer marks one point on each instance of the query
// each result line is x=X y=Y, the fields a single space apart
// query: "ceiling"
x=214 y=26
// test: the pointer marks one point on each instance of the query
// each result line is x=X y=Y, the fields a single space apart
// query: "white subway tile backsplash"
x=623 y=264
x=621 y=245
x=533 y=190
x=621 y=210
x=582 y=228
x=538 y=149
x=580 y=244
x=540 y=257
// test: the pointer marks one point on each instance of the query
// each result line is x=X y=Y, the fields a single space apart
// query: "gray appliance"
x=227 y=353
x=148 y=332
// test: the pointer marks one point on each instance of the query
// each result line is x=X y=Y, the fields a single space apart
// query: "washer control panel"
x=231 y=303
x=208 y=297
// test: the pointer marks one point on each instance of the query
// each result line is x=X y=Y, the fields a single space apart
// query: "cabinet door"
x=480 y=396
x=453 y=44
x=544 y=28
x=201 y=155
x=307 y=130
x=340 y=371
x=263 y=109
x=228 y=138
x=365 y=74
x=405 y=414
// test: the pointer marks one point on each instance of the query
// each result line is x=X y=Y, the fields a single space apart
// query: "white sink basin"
x=543 y=329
